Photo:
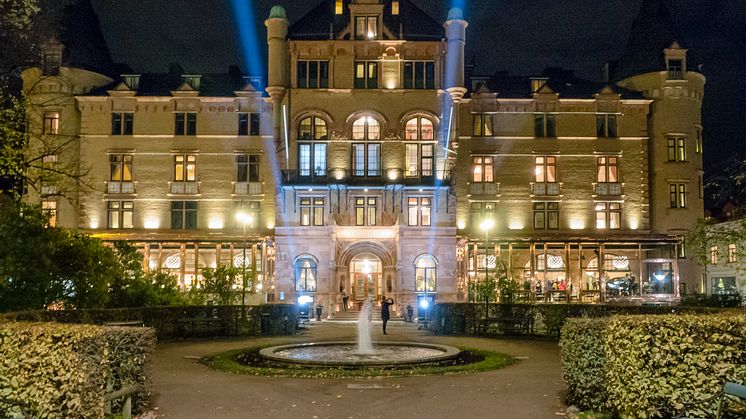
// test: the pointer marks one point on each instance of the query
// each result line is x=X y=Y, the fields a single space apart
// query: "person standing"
x=345 y=298
x=385 y=311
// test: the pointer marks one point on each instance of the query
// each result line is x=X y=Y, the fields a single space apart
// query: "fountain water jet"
x=364 y=346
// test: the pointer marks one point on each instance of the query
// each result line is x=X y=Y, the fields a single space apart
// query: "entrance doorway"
x=366 y=277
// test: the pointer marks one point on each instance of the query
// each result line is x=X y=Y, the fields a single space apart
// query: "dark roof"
x=80 y=33
x=412 y=23
x=652 y=31
x=561 y=81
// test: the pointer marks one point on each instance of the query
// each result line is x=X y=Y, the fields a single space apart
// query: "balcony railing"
x=608 y=189
x=115 y=187
x=365 y=177
x=545 y=188
x=247 y=188
x=184 y=188
x=483 y=188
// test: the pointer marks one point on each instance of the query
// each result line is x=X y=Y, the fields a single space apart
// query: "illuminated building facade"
x=374 y=159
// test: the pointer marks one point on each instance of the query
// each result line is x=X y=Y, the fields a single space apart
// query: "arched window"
x=419 y=129
x=425 y=274
x=366 y=128
x=305 y=273
x=312 y=128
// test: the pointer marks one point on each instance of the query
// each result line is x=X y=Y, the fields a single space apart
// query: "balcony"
x=545 y=188
x=483 y=188
x=365 y=177
x=114 y=187
x=608 y=189
x=247 y=188
x=184 y=188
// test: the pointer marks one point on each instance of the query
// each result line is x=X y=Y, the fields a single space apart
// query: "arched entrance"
x=366 y=277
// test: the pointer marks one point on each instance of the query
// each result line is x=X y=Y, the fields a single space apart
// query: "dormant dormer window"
x=192 y=80
x=131 y=80
x=675 y=69
x=366 y=27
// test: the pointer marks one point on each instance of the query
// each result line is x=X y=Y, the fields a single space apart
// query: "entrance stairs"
x=352 y=315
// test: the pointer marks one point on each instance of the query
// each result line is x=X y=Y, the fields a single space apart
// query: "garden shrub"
x=654 y=366
x=61 y=370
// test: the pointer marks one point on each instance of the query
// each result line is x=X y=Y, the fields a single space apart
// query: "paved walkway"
x=530 y=388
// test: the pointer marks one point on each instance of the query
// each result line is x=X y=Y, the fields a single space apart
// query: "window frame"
x=732 y=253
x=366 y=19
x=611 y=212
x=545 y=125
x=546 y=215
x=300 y=271
x=370 y=159
x=412 y=71
x=481 y=123
x=306 y=80
x=367 y=81
x=606 y=166
x=312 y=210
x=605 y=128
x=51 y=123
x=185 y=166
x=122 y=123
x=676 y=149
x=185 y=123
x=481 y=163
x=418 y=134
x=366 y=210
x=417 y=208
x=120 y=215
x=431 y=269
x=677 y=195
x=248 y=167
x=186 y=212
x=120 y=166
x=542 y=169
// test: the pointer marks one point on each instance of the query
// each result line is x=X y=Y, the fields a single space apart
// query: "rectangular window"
x=608 y=215
x=713 y=254
x=183 y=215
x=676 y=149
x=312 y=211
x=51 y=125
x=544 y=125
x=698 y=146
x=481 y=211
x=607 y=169
x=121 y=123
x=365 y=211
x=675 y=70
x=418 y=160
x=677 y=195
x=366 y=27
x=312 y=159
x=419 y=75
x=338 y=7
x=120 y=214
x=186 y=123
x=395 y=7
x=185 y=168
x=700 y=186
x=366 y=159
x=482 y=169
x=546 y=215
x=419 y=211
x=366 y=75
x=247 y=167
x=681 y=248
x=243 y=123
x=412 y=162
x=49 y=208
x=120 y=168
x=483 y=124
x=732 y=258
x=313 y=74
x=545 y=169
x=606 y=126
x=254 y=211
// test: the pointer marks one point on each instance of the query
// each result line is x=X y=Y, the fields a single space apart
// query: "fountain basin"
x=346 y=354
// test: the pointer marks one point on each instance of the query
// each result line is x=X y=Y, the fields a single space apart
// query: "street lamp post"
x=245 y=219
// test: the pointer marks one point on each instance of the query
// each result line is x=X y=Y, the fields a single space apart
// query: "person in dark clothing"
x=385 y=311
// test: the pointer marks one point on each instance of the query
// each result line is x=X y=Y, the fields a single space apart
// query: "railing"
x=608 y=189
x=247 y=188
x=115 y=187
x=365 y=177
x=47 y=190
x=545 y=188
x=483 y=188
x=184 y=188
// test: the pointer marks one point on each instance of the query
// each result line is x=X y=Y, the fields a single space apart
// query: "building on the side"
x=724 y=252
x=375 y=164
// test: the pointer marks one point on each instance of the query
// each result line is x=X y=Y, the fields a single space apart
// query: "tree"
x=136 y=288
x=221 y=282
x=728 y=184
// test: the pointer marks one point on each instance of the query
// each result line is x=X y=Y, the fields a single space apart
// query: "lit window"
x=183 y=215
x=606 y=126
x=365 y=211
x=305 y=274
x=312 y=128
x=121 y=123
x=545 y=125
x=546 y=215
x=366 y=27
x=481 y=211
x=312 y=211
x=607 y=170
x=482 y=124
x=545 y=169
x=732 y=253
x=49 y=208
x=248 y=123
x=252 y=208
x=419 y=75
x=366 y=159
x=185 y=168
x=482 y=169
x=366 y=75
x=418 y=160
x=419 y=210
x=51 y=123
x=121 y=168
x=120 y=214
x=419 y=129
x=247 y=167
x=677 y=195
x=425 y=274
x=338 y=7
x=366 y=128
x=698 y=147
x=608 y=215
x=185 y=123
x=713 y=254
x=313 y=74
x=676 y=149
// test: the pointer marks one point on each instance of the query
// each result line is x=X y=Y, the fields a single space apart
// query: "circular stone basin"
x=345 y=353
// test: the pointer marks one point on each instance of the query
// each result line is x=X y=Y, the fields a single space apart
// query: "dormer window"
x=675 y=69
x=395 y=7
x=51 y=64
x=191 y=80
x=131 y=80
x=537 y=83
x=338 y=7
x=366 y=27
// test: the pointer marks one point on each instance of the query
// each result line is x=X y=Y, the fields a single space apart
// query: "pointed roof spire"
x=652 y=31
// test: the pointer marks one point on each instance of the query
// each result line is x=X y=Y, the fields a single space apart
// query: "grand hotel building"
x=376 y=161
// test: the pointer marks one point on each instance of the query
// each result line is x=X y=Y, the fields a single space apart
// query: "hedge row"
x=529 y=319
x=654 y=366
x=57 y=370
x=182 y=322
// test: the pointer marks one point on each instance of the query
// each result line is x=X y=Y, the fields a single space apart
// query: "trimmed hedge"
x=654 y=366
x=529 y=319
x=60 y=370
x=182 y=322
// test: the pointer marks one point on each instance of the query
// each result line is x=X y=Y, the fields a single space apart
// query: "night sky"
x=520 y=36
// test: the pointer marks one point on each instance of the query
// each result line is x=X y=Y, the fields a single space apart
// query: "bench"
x=200 y=327
x=731 y=392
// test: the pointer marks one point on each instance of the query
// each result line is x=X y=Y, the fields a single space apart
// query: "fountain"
x=364 y=353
